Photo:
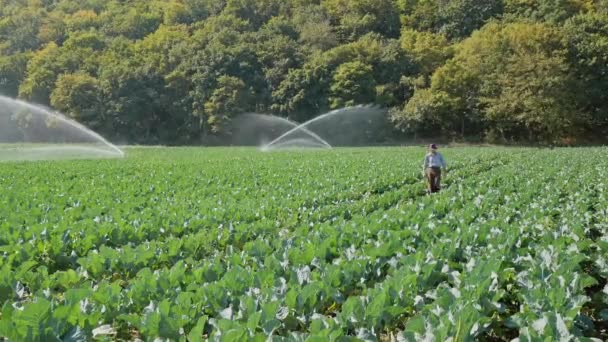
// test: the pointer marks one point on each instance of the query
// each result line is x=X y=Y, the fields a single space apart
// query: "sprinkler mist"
x=32 y=132
x=350 y=126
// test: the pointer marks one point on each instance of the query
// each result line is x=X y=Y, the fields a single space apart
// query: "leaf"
x=69 y=313
x=270 y=326
x=291 y=299
x=375 y=310
x=68 y=278
x=254 y=321
x=34 y=314
x=353 y=311
x=76 y=335
x=196 y=334
x=269 y=311
x=416 y=325
x=234 y=335
x=24 y=268
x=247 y=306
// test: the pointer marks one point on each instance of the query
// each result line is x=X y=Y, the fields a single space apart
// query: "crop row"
x=509 y=248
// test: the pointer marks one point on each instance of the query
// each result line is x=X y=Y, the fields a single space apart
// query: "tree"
x=355 y=18
x=78 y=95
x=50 y=62
x=534 y=93
x=533 y=85
x=223 y=54
x=256 y=12
x=352 y=84
x=42 y=72
x=222 y=47
x=277 y=54
x=456 y=19
x=223 y=25
x=85 y=40
x=587 y=37
x=134 y=101
x=601 y=6
x=427 y=112
x=19 y=31
x=175 y=13
x=428 y=50
x=517 y=78
x=202 y=9
x=419 y=15
x=82 y=20
x=73 y=6
x=314 y=27
x=159 y=50
x=507 y=67
x=552 y=11
x=390 y=62
x=462 y=82
x=131 y=23
x=303 y=93
x=12 y=72
x=53 y=29
x=229 y=99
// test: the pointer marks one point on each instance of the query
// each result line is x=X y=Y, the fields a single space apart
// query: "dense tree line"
x=178 y=71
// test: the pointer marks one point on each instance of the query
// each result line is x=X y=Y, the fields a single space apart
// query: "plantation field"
x=235 y=244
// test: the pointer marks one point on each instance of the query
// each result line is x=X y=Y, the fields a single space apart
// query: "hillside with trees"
x=176 y=72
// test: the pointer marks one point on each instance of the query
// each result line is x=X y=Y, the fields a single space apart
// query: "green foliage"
x=132 y=24
x=455 y=19
x=314 y=27
x=136 y=102
x=227 y=100
x=531 y=84
x=303 y=92
x=19 y=31
x=588 y=54
x=78 y=96
x=554 y=11
x=175 y=243
x=355 y=18
x=458 y=19
x=12 y=73
x=42 y=72
x=82 y=20
x=53 y=29
x=158 y=50
x=352 y=83
x=85 y=40
x=300 y=58
x=255 y=12
x=426 y=110
x=514 y=76
x=428 y=50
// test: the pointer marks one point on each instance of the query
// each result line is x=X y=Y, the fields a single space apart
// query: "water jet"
x=258 y=129
x=32 y=132
x=344 y=127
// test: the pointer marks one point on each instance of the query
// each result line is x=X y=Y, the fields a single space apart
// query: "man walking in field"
x=433 y=163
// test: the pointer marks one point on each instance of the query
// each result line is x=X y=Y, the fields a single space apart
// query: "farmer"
x=433 y=163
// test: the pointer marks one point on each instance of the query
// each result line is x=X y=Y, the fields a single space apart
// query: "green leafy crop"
x=194 y=244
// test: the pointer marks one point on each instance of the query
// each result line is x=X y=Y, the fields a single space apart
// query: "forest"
x=178 y=71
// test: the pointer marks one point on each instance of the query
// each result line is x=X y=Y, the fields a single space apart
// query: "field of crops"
x=236 y=245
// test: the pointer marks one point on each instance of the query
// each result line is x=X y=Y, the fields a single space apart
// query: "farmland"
x=235 y=244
